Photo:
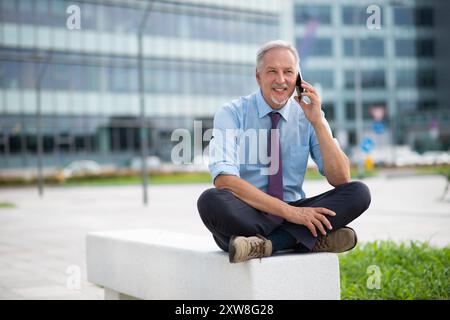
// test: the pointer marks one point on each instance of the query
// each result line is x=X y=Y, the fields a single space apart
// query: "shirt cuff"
x=223 y=168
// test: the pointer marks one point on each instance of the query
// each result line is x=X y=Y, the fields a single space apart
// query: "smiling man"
x=253 y=212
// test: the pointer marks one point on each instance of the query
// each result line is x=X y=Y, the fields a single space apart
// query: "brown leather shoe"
x=245 y=248
x=341 y=240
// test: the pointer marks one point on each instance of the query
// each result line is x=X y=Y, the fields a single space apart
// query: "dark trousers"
x=226 y=215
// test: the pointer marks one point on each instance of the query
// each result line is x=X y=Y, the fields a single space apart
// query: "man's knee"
x=361 y=194
x=209 y=200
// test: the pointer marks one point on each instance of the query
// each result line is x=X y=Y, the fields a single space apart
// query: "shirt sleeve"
x=223 y=147
x=316 y=155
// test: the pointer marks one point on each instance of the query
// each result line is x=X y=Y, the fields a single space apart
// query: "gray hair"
x=273 y=45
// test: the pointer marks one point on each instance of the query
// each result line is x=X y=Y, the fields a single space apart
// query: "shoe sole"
x=356 y=238
x=341 y=251
x=231 y=249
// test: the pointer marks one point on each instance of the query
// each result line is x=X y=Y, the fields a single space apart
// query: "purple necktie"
x=275 y=186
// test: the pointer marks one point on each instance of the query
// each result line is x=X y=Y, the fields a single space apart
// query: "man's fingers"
x=306 y=83
x=311 y=228
x=325 y=221
x=309 y=87
x=319 y=225
x=312 y=96
x=302 y=103
x=326 y=211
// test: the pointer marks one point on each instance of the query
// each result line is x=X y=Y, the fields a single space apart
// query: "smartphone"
x=298 y=84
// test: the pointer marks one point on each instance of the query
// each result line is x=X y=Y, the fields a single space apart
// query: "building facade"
x=402 y=66
x=80 y=88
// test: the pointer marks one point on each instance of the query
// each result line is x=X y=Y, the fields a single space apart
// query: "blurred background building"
x=199 y=54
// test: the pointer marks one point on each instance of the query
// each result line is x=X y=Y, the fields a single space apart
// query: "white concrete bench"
x=151 y=264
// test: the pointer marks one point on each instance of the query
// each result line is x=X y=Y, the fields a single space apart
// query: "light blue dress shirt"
x=239 y=143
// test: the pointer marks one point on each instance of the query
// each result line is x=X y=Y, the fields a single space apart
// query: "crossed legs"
x=225 y=215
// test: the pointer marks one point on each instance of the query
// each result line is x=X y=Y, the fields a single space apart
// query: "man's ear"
x=258 y=79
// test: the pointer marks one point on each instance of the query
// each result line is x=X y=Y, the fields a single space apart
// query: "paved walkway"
x=42 y=241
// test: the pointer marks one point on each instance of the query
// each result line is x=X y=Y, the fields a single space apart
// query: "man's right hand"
x=311 y=218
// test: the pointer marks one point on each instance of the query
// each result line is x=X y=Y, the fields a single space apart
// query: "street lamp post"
x=357 y=84
x=41 y=73
x=143 y=126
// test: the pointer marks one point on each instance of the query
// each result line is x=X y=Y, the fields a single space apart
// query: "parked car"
x=153 y=163
x=81 y=167
x=436 y=157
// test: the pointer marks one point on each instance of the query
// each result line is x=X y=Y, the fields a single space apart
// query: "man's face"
x=277 y=77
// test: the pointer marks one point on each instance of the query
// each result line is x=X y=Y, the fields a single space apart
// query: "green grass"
x=6 y=205
x=407 y=271
x=169 y=178
x=121 y=178
x=173 y=178
x=313 y=174
x=440 y=169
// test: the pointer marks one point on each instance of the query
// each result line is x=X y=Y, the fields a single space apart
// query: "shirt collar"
x=264 y=108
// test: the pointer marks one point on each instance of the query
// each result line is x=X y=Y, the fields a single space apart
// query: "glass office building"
x=196 y=56
x=81 y=85
x=402 y=66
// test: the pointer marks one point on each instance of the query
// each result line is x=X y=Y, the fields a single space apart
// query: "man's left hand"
x=312 y=109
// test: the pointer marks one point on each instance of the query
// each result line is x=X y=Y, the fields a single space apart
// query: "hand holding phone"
x=298 y=84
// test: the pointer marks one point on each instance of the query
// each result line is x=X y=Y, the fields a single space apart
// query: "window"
x=305 y=13
x=328 y=109
x=85 y=72
x=42 y=11
x=372 y=47
x=15 y=144
x=350 y=109
x=122 y=79
x=161 y=23
x=350 y=112
x=423 y=78
x=323 y=77
x=8 y=11
x=348 y=17
x=412 y=48
x=373 y=79
x=426 y=79
x=318 y=47
x=58 y=15
x=423 y=17
x=370 y=79
x=9 y=74
x=89 y=16
x=406 y=78
x=352 y=137
x=199 y=78
x=31 y=143
x=427 y=104
x=26 y=12
x=124 y=20
x=213 y=25
x=321 y=47
x=425 y=48
x=349 y=79
x=57 y=75
x=405 y=47
x=27 y=75
x=404 y=16
x=406 y=105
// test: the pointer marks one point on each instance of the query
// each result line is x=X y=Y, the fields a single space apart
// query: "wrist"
x=286 y=210
x=317 y=124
